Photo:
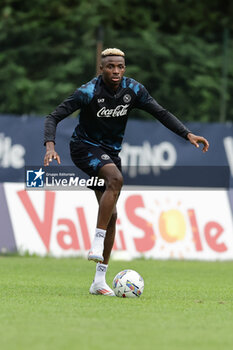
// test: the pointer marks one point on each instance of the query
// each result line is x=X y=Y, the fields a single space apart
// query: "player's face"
x=113 y=69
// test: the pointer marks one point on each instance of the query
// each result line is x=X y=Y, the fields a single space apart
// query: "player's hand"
x=195 y=140
x=51 y=154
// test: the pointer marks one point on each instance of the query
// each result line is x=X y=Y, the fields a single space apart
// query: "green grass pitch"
x=45 y=304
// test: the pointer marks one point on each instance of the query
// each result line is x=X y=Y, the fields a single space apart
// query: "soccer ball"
x=128 y=284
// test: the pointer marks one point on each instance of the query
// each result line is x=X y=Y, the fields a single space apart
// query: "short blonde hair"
x=112 y=52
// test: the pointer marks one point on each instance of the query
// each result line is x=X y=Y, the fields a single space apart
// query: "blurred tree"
x=174 y=48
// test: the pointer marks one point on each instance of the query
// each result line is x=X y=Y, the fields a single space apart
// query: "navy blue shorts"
x=90 y=158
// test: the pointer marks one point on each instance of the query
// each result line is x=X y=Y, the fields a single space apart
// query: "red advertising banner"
x=151 y=224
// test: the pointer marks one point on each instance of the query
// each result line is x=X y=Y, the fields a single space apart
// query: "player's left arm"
x=148 y=104
x=195 y=140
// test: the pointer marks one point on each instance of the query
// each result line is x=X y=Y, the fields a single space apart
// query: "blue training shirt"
x=104 y=112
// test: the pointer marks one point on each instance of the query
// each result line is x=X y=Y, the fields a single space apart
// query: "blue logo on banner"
x=35 y=178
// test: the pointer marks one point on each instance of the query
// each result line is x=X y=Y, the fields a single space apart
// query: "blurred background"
x=181 y=51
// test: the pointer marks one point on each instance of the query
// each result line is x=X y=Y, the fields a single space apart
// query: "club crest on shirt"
x=127 y=98
x=105 y=157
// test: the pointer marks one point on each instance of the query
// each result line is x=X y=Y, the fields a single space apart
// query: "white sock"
x=100 y=274
x=98 y=242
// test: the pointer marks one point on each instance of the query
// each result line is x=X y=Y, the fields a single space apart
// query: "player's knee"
x=115 y=182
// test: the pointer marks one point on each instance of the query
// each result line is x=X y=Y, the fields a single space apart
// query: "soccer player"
x=105 y=103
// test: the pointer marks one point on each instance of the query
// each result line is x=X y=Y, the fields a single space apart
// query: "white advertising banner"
x=153 y=224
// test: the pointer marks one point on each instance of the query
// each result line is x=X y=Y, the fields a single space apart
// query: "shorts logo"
x=105 y=157
x=127 y=98
x=35 y=178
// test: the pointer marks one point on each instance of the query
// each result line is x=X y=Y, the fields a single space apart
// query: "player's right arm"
x=66 y=108
x=51 y=154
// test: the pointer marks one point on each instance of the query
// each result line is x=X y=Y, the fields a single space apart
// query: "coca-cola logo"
x=119 y=111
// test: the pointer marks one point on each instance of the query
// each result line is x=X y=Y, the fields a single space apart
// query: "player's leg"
x=113 y=182
x=95 y=162
x=99 y=285
x=110 y=232
x=107 y=202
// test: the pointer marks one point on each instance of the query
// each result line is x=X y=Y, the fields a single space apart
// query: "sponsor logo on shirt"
x=119 y=111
